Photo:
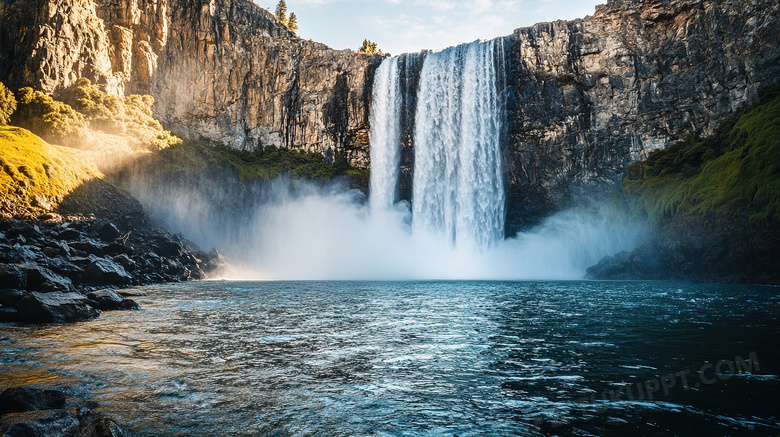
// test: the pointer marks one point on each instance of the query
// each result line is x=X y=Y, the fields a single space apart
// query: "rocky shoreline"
x=27 y=411
x=64 y=269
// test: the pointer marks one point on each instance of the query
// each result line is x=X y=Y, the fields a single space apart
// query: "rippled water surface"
x=419 y=358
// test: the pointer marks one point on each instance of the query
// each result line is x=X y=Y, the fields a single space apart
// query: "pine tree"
x=292 y=23
x=369 y=47
x=281 y=12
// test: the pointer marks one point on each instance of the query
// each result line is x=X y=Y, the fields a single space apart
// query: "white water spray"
x=453 y=231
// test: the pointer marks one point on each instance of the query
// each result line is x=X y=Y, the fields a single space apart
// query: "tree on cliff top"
x=369 y=47
x=292 y=23
x=7 y=104
x=281 y=12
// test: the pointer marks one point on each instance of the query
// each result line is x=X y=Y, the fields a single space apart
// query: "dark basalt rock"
x=8 y=315
x=32 y=412
x=13 y=276
x=105 y=300
x=90 y=246
x=44 y=423
x=69 y=234
x=21 y=399
x=55 y=307
x=129 y=304
x=106 y=271
x=108 y=232
x=10 y=297
x=44 y=280
x=125 y=261
x=68 y=269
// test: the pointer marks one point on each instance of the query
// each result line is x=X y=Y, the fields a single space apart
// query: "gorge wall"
x=223 y=69
x=584 y=98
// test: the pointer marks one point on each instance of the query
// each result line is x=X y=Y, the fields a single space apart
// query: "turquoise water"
x=421 y=358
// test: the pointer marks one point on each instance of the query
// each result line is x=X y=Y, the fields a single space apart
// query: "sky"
x=401 y=26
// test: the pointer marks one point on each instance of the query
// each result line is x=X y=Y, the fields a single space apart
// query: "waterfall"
x=457 y=192
x=458 y=189
x=385 y=135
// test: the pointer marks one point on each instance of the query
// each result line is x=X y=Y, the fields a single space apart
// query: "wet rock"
x=103 y=427
x=68 y=269
x=8 y=315
x=105 y=300
x=69 y=234
x=13 y=276
x=44 y=423
x=55 y=307
x=21 y=399
x=107 y=272
x=90 y=246
x=108 y=232
x=125 y=261
x=10 y=297
x=44 y=280
x=129 y=304
x=25 y=231
x=168 y=248
x=117 y=249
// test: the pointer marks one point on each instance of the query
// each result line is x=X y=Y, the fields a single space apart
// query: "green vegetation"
x=129 y=116
x=53 y=120
x=7 y=104
x=86 y=108
x=281 y=12
x=735 y=169
x=369 y=47
x=292 y=23
x=37 y=175
x=196 y=157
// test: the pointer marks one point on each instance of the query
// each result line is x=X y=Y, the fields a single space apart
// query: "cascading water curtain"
x=458 y=190
x=385 y=135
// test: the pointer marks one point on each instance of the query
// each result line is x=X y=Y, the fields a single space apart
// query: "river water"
x=420 y=358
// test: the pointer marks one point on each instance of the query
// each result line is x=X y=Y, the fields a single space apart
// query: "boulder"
x=66 y=268
x=125 y=262
x=8 y=315
x=55 y=307
x=169 y=248
x=108 y=232
x=129 y=304
x=42 y=279
x=117 y=249
x=21 y=399
x=10 y=297
x=13 y=276
x=69 y=234
x=104 y=271
x=90 y=246
x=43 y=423
x=105 y=300
x=25 y=231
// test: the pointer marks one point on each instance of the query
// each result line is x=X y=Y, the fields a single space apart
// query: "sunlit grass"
x=36 y=175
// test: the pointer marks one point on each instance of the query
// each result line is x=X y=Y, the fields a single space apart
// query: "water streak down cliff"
x=584 y=98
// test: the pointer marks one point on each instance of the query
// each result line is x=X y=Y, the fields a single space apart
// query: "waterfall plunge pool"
x=419 y=358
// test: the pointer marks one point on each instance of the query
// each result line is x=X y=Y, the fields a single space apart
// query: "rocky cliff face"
x=588 y=97
x=585 y=98
x=223 y=69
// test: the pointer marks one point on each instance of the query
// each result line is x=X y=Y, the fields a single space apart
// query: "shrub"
x=129 y=116
x=52 y=120
x=7 y=104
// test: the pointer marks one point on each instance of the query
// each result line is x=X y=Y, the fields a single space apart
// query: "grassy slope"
x=735 y=170
x=35 y=175
x=192 y=158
